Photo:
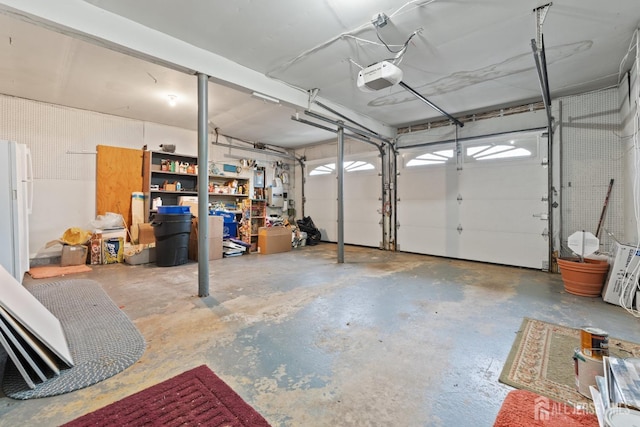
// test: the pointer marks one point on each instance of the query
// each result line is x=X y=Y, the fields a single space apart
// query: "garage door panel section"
x=487 y=205
x=358 y=232
x=365 y=234
x=365 y=186
x=437 y=241
x=509 y=216
x=435 y=213
x=320 y=211
x=321 y=204
x=503 y=248
x=430 y=184
x=489 y=183
x=362 y=194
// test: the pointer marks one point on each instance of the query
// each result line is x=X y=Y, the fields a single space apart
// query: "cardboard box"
x=74 y=255
x=190 y=201
x=95 y=253
x=215 y=238
x=622 y=262
x=146 y=235
x=273 y=240
x=215 y=249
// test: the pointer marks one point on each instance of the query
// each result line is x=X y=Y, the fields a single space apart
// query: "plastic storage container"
x=230 y=229
x=172 y=238
x=173 y=209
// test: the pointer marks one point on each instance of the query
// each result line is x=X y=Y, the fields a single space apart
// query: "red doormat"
x=523 y=408
x=195 y=397
x=47 y=271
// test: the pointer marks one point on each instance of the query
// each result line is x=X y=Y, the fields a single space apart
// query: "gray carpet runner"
x=102 y=339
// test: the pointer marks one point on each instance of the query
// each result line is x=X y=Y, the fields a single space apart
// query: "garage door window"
x=353 y=166
x=502 y=150
x=436 y=157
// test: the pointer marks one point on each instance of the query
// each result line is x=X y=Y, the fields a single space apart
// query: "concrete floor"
x=383 y=339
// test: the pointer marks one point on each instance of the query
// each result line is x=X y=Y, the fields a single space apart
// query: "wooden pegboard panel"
x=118 y=174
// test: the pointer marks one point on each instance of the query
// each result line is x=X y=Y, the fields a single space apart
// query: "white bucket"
x=621 y=417
x=587 y=368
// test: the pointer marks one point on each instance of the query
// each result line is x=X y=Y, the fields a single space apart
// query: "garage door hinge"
x=545 y=199
x=545 y=162
x=459 y=229
x=545 y=234
x=542 y=216
x=459 y=199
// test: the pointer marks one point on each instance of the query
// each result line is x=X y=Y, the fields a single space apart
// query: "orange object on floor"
x=522 y=408
x=47 y=271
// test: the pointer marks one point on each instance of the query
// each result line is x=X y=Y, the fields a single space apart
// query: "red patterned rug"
x=195 y=397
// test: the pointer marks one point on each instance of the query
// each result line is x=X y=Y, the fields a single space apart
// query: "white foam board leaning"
x=45 y=354
x=621 y=279
x=22 y=350
x=16 y=361
x=34 y=316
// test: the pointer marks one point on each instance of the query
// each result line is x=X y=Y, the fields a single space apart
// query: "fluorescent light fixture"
x=172 y=100
x=265 y=97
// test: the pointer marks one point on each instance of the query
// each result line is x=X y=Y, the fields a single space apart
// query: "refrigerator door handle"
x=29 y=181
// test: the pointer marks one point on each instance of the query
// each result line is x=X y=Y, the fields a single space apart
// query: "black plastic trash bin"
x=172 y=232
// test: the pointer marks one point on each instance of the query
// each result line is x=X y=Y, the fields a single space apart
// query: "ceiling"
x=467 y=56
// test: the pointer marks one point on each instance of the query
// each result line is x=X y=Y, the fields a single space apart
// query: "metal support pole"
x=340 y=168
x=384 y=197
x=203 y=187
x=560 y=180
x=394 y=199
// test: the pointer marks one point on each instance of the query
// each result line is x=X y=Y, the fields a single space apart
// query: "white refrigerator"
x=16 y=200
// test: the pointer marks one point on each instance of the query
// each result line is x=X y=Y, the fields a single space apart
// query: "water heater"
x=275 y=197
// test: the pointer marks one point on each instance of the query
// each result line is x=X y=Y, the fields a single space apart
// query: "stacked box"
x=73 y=255
x=146 y=235
x=215 y=238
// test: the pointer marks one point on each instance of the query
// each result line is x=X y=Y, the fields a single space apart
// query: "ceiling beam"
x=84 y=21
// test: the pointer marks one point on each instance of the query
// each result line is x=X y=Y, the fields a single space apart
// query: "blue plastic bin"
x=164 y=210
x=230 y=226
x=228 y=216
x=229 y=230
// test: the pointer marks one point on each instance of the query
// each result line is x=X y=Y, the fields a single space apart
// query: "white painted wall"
x=592 y=155
x=629 y=110
x=63 y=143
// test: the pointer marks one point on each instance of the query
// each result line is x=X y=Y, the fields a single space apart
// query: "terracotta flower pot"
x=583 y=278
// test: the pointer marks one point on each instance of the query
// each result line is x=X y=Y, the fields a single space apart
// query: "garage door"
x=362 y=193
x=493 y=208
